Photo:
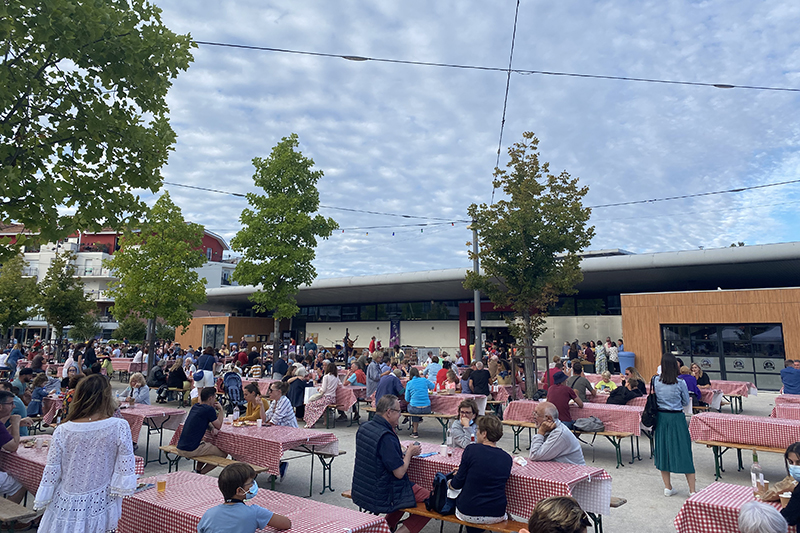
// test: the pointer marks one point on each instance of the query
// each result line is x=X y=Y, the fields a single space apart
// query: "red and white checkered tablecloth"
x=123 y=363
x=447 y=404
x=264 y=446
x=136 y=415
x=602 y=397
x=715 y=509
x=263 y=385
x=345 y=399
x=50 y=407
x=189 y=496
x=735 y=388
x=26 y=465
x=520 y=410
x=359 y=391
x=528 y=484
x=595 y=378
x=504 y=392
x=622 y=418
x=787 y=398
x=741 y=429
x=788 y=411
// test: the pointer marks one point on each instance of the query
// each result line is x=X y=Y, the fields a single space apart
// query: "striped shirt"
x=281 y=413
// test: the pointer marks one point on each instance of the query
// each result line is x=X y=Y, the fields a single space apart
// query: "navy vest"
x=375 y=488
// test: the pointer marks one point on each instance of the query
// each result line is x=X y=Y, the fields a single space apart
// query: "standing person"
x=600 y=358
x=673 y=445
x=418 y=400
x=89 y=355
x=432 y=369
x=373 y=374
x=479 y=380
x=613 y=358
x=13 y=357
x=380 y=478
x=205 y=364
x=87 y=497
x=482 y=476
x=372 y=345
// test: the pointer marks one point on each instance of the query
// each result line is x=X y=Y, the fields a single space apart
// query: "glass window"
x=590 y=307
x=564 y=307
x=350 y=312
x=614 y=305
x=675 y=333
x=388 y=311
x=367 y=312
x=330 y=313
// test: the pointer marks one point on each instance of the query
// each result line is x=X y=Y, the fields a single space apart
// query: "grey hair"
x=386 y=402
x=479 y=365
x=757 y=517
x=550 y=410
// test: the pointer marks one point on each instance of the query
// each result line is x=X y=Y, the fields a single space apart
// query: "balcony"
x=93 y=272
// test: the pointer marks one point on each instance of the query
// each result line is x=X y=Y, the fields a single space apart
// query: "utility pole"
x=478 y=352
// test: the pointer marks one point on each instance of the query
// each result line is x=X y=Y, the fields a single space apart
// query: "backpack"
x=438 y=501
x=650 y=413
x=591 y=424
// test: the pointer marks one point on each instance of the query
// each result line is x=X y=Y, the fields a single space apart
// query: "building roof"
x=758 y=266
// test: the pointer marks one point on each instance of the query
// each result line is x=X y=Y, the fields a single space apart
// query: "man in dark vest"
x=380 y=481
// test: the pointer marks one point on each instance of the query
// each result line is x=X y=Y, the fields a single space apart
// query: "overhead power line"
x=716 y=85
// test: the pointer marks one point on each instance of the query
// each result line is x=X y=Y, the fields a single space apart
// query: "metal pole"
x=478 y=352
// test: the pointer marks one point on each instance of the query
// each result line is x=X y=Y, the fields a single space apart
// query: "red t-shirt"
x=441 y=377
x=242 y=357
x=551 y=372
x=560 y=395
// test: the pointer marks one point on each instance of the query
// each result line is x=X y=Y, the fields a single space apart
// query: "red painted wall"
x=463 y=330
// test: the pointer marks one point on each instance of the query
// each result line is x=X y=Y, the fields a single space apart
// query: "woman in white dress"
x=90 y=465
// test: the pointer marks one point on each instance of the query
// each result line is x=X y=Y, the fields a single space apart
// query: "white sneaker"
x=670 y=492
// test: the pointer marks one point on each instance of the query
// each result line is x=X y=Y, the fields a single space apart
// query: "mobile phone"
x=416 y=442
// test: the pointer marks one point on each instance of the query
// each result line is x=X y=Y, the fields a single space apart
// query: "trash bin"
x=626 y=359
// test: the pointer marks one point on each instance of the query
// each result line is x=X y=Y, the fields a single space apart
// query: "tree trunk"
x=151 y=344
x=276 y=340
x=531 y=383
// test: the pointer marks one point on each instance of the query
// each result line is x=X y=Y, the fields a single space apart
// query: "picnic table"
x=345 y=399
x=787 y=398
x=722 y=432
x=264 y=446
x=503 y=393
x=51 y=405
x=733 y=391
x=715 y=509
x=528 y=484
x=788 y=411
x=447 y=404
x=26 y=465
x=189 y=495
x=156 y=418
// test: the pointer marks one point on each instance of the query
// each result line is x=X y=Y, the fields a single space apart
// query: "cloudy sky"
x=422 y=141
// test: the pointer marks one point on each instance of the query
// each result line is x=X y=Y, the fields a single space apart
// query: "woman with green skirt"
x=673 y=445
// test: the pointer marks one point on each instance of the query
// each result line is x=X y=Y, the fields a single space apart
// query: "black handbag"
x=438 y=500
x=650 y=413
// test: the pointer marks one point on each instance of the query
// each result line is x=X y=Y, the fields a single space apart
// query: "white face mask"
x=794 y=471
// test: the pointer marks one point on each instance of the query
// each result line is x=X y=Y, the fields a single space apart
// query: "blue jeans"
x=569 y=424
x=418 y=411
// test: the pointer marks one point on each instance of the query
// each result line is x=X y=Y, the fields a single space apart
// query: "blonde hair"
x=139 y=378
x=559 y=514
x=606 y=375
x=684 y=369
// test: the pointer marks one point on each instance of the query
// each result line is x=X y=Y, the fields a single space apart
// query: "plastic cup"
x=443 y=449
x=161 y=484
x=258 y=423
x=39 y=443
x=785 y=497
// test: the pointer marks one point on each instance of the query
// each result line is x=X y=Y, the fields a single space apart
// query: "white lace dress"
x=90 y=467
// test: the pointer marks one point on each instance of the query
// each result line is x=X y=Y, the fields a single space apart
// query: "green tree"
x=85 y=328
x=83 y=113
x=155 y=269
x=62 y=298
x=529 y=242
x=165 y=332
x=132 y=328
x=279 y=231
x=17 y=295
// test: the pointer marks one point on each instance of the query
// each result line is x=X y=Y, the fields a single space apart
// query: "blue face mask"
x=250 y=494
x=794 y=471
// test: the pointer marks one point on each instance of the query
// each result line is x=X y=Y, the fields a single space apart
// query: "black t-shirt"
x=480 y=381
x=195 y=426
x=704 y=380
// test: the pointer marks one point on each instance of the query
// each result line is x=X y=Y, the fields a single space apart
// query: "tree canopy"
x=529 y=241
x=83 y=115
x=17 y=294
x=279 y=231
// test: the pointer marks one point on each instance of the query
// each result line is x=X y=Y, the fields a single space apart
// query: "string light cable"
x=500 y=69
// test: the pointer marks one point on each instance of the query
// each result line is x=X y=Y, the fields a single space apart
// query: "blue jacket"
x=375 y=488
x=417 y=392
x=790 y=377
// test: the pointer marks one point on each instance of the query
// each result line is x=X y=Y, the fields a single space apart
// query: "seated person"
x=482 y=477
x=553 y=440
x=703 y=381
x=22 y=383
x=605 y=384
x=504 y=374
x=206 y=412
x=559 y=395
x=558 y=514
x=757 y=517
x=547 y=378
x=280 y=412
x=9 y=442
x=355 y=376
x=256 y=405
x=465 y=381
x=452 y=383
x=462 y=431
x=38 y=394
x=631 y=372
x=579 y=383
x=237 y=483
x=419 y=401
x=389 y=384
x=380 y=479
x=158 y=377
x=138 y=391
x=296 y=393
x=628 y=391
x=790 y=377
x=792 y=511
x=19 y=408
x=691 y=385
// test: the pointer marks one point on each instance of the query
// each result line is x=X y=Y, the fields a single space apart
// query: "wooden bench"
x=11 y=513
x=719 y=448
x=518 y=426
x=615 y=438
x=699 y=408
x=496 y=406
x=181 y=395
x=208 y=459
x=443 y=419
x=508 y=526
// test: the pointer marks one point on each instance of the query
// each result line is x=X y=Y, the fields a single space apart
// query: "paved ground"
x=647 y=509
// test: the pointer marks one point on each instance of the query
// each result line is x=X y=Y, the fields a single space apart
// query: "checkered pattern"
x=527 y=485
x=123 y=364
x=520 y=411
x=622 y=418
x=740 y=429
x=263 y=384
x=735 y=388
x=595 y=378
x=787 y=398
x=264 y=446
x=787 y=411
x=51 y=406
x=715 y=509
x=137 y=414
x=345 y=399
x=26 y=465
x=602 y=397
x=360 y=391
x=504 y=392
x=447 y=404
x=189 y=496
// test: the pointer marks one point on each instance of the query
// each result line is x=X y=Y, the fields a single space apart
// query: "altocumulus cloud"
x=422 y=140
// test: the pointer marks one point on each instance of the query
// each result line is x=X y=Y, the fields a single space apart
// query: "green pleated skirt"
x=673 y=445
